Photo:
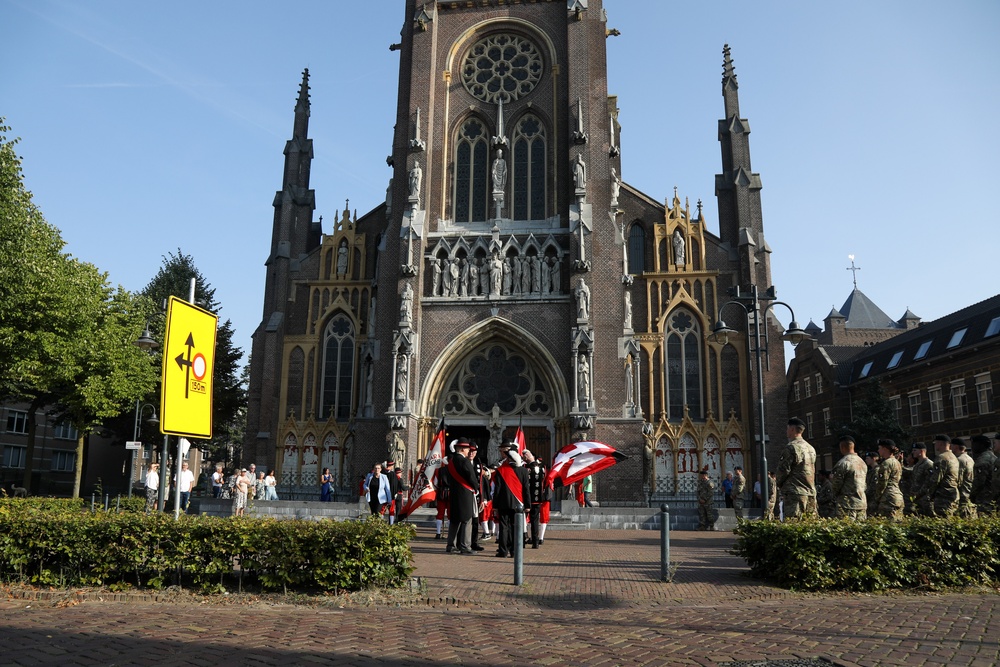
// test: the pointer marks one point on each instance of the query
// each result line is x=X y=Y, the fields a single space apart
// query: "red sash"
x=513 y=482
x=453 y=472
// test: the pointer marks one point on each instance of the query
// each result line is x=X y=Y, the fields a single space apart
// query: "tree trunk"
x=29 y=451
x=78 y=471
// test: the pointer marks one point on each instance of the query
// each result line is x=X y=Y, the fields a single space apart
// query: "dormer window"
x=956 y=338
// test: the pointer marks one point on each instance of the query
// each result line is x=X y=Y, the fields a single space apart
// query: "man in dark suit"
x=509 y=493
x=463 y=502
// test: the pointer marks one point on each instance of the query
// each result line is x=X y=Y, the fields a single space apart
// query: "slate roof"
x=862 y=313
x=976 y=319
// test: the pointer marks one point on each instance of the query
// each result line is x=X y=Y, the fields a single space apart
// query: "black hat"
x=980 y=439
x=958 y=442
x=941 y=437
x=463 y=443
x=795 y=421
x=919 y=445
x=473 y=445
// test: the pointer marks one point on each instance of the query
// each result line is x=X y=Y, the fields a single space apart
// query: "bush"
x=873 y=555
x=59 y=543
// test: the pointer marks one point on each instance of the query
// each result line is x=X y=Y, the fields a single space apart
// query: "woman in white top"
x=270 y=492
x=152 y=487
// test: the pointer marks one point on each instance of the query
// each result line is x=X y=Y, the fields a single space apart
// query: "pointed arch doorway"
x=490 y=378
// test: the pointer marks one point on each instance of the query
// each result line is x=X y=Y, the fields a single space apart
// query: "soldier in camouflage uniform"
x=772 y=495
x=871 y=460
x=944 y=483
x=848 y=483
x=706 y=501
x=982 y=473
x=995 y=477
x=923 y=473
x=796 y=474
x=890 y=499
x=739 y=487
x=824 y=496
x=906 y=485
x=966 y=472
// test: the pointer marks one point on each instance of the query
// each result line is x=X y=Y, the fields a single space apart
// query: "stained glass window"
x=683 y=367
x=338 y=368
x=471 y=172
x=502 y=67
x=529 y=169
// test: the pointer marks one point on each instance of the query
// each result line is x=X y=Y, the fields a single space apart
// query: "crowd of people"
x=478 y=501
x=242 y=486
x=889 y=483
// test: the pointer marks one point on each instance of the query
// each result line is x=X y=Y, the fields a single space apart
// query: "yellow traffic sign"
x=188 y=360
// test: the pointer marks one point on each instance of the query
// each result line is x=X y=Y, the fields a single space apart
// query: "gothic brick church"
x=511 y=276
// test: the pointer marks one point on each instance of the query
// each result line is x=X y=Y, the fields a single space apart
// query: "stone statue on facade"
x=496 y=274
x=583 y=380
x=342 y=259
x=453 y=277
x=580 y=173
x=582 y=293
x=435 y=277
x=499 y=172
x=473 y=287
x=628 y=310
x=546 y=271
x=402 y=373
x=406 y=305
x=556 y=278
x=678 y=242
x=616 y=186
x=416 y=175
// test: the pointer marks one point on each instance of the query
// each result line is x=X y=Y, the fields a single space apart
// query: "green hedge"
x=63 y=544
x=873 y=555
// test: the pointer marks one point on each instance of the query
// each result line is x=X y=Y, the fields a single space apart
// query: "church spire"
x=730 y=88
x=302 y=107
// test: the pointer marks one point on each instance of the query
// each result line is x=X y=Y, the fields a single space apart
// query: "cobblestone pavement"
x=589 y=598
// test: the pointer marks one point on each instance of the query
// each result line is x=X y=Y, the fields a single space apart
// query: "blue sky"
x=148 y=127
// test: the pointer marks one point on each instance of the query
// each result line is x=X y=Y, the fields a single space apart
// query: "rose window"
x=502 y=67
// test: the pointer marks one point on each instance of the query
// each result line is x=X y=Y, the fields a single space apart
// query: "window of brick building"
x=63 y=461
x=528 y=170
x=922 y=350
x=895 y=359
x=819 y=383
x=66 y=432
x=865 y=370
x=338 y=368
x=683 y=367
x=959 y=402
x=826 y=421
x=914 y=408
x=807 y=387
x=897 y=408
x=809 y=425
x=13 y=456
x=994 y=328
x=17 y=421
x=795 y=390
x=957 y=337
x=636 y=249
x=472 y=172
x=984 y=393
x=936 y=400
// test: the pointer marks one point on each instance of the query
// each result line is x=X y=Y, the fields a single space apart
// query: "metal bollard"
x=93 y=502
x=518 y=547
x=118 y=503
x=107 y=501
x=664 y=543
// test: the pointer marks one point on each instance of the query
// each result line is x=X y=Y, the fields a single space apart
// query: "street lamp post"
x=751 y=304
x=144 y=342
x=153 y=419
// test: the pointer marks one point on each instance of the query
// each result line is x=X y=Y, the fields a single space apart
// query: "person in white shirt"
x=218 y=479
x=152 y=486
x=186 y=484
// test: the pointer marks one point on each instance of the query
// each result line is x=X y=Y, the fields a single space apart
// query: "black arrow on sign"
x=182 y=362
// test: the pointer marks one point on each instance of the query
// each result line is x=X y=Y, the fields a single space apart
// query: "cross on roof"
x=854 y=270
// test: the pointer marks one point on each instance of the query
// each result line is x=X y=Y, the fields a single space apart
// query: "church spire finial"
x=854 y=270
x=302 y=103
x=727 y=64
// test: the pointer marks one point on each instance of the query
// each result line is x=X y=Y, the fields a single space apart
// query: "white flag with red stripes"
x=577 y=460
x=424 y=488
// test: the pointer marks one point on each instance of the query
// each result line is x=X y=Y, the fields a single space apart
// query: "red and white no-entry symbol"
x=199 y=365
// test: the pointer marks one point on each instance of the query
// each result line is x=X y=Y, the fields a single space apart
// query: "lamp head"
x=145 y=341
x=793 y=334
x=720 y=333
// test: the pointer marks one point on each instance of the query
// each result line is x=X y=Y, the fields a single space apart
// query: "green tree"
x=229 y=392
x=872 y=417
x=60 y=321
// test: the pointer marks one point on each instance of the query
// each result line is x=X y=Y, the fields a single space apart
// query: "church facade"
x=511 y=277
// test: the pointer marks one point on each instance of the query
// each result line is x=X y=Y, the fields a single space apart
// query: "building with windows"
x=938 y=375
x=511 y=276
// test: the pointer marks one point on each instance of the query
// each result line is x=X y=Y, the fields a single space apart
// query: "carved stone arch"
x=531 y=243
x=441 y=249
x=480 y=248
x=550 y=243
x=461 y=245
x=503 y=331
x=511 y=246
x=288 y=464
x=664 y=464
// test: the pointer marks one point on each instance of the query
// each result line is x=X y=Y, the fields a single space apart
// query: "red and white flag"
x=519 y=437
x=576 y=461
x=424 y=488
